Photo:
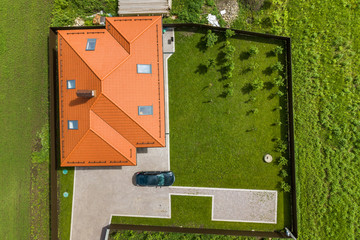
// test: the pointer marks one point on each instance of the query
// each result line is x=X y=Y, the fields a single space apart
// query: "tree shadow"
x=268 y=71
x=247 y=88
x=201 y=45
x=270 y=54
x=244 y=55
x=266 y=5
x=268 y=85
x=246 y=70
x=271 y=96
x=220 y=58
x=201 y=69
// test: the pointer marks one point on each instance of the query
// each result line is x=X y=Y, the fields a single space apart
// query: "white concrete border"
x=212 y=203
x=72 y=204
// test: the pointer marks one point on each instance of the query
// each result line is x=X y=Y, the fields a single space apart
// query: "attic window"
x=70 y=84
x=143 y=68
x=90 y=45
x=73 y=124
x=145 y=110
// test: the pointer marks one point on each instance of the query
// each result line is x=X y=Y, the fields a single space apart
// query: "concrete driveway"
x=101 y=192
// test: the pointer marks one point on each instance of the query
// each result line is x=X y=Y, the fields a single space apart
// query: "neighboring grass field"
x=215 y=140
x=23 y=112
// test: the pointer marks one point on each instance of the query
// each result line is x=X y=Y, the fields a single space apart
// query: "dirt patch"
x=187 y=34
x=39 y=197
x=36 y=146
x=231 y=7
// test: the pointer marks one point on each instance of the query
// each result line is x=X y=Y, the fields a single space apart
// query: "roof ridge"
x=76 y=146
x=109 y=143
x=131 y=119
x=80 y=57
x=155 y=20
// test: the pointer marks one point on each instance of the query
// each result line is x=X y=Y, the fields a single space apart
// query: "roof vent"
x=86 y=93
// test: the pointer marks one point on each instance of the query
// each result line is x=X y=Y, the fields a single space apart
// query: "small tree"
x=278 y=50
x=229 y=33
x=211 y=39
x=285 y=186
x=277 y=67
x=253 y=51
x=282 y=161
x=279 y=81
x=283 y=173
x=257 y=84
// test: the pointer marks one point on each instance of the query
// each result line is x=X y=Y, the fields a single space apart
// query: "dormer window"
x=90 y=45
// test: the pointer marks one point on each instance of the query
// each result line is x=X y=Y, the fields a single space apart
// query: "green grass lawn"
x=65 y=184
x=211 y=145
x=23 y=111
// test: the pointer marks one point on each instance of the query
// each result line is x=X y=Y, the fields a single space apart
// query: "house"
x=111 y=91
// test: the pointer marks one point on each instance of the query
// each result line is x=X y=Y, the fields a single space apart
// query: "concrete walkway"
x=236 y=205
x=127 y=7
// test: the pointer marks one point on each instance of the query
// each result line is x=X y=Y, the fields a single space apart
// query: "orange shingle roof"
x=109 y=126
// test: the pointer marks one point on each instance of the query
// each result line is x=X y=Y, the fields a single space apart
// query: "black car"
x=165 y=178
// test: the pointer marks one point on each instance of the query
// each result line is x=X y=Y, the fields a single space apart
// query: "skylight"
x=143 y=68
x=73 y=124
x=145 y=110
x=70 y=84
x=90 y=45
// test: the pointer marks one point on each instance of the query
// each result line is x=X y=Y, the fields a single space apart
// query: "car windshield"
x=161 y=179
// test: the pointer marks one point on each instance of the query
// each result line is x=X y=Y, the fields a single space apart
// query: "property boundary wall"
x=55 y=151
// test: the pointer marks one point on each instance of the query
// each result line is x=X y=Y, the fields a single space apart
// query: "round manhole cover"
x=268 y=158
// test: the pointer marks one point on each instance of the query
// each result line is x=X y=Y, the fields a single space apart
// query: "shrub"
x=257 y=84
x=229 y=52
x=283 y=161
x=278 y=50
x=283 y=173
x=229 y=33
x=280 y=146
x=285 y=186
x=255 y=111
x=277 y=67
x=279 y=81
x=211 y=39
x=253 y=51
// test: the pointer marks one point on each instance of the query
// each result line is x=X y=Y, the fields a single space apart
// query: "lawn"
x=23 y=112
x=218 y=141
